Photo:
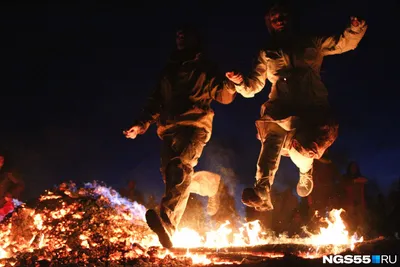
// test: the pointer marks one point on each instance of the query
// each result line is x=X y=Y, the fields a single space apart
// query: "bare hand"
x=133 y=131
x=355 y=22
x=236 y=78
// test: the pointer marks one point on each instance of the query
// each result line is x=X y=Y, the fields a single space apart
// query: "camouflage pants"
x=181 y=150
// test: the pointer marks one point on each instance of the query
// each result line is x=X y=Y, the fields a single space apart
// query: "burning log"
x=268 y=250
x=285 y=249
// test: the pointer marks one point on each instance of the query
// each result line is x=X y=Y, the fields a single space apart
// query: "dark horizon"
x=79 y=75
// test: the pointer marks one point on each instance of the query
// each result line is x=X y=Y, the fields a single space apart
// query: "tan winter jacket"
x=293 y=67
x=184 y=94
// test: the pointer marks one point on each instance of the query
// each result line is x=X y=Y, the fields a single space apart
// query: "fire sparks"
x=95 y=223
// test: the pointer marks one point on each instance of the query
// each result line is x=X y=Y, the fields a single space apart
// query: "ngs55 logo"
x=359 y=259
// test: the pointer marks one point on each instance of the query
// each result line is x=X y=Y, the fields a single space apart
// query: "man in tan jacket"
x=181 y=107
x=296 y=121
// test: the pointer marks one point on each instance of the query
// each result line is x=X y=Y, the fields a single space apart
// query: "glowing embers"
x=95 y=224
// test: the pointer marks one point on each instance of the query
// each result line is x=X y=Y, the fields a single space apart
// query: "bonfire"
x=94 y=226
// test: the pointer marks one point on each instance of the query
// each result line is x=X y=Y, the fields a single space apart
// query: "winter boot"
x=272 y=138
x=163 y=230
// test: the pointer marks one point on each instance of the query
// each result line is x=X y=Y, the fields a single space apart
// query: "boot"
x=272 y=138
x=162 y=228
x=305 y=184
x=258 y=197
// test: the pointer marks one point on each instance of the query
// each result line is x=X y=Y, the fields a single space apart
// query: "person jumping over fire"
x=180 y=105
x=297 y=120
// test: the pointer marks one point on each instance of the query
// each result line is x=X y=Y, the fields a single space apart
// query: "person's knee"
x=177 y=171
x=267 y=130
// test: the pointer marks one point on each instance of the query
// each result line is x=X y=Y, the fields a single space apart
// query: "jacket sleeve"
x=151 y=110
x=347 y=41
x=255 y=82
x=224 y=92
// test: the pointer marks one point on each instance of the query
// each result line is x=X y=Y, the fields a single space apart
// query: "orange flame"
x=120 y=222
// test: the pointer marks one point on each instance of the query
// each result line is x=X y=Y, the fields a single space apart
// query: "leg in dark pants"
x=181 y=152
x=182 y=147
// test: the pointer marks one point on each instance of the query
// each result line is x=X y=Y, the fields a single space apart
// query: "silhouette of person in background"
x=324 y=196
x=393 y=222
x=353 y=183
x=9 y=180
x=7 y=207
x=131 y=193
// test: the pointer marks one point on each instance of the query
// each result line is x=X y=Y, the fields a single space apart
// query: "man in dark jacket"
x=180 y=105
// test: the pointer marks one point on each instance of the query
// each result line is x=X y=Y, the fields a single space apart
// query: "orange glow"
x=94 y=217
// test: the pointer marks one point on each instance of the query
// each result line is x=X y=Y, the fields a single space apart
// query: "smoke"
x=219 y=158
x=116 y=200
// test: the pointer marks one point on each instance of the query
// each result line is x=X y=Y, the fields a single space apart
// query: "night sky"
x=75 y=76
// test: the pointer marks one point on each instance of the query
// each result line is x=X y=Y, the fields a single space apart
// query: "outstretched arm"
x=253 y=84
x=148 y=115
x=347 y=41
x=152 y=108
